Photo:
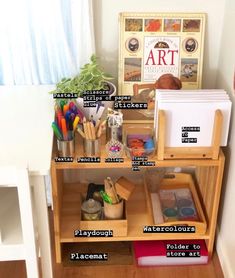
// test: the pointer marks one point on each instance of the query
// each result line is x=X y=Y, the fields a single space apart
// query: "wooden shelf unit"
x=208 y=175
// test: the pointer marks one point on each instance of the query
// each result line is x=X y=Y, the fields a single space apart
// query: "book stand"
x=211 y=152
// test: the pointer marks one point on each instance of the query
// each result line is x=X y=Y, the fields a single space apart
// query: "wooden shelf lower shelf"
x=137 y=212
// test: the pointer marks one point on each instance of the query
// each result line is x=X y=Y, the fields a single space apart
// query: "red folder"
x=170 y=252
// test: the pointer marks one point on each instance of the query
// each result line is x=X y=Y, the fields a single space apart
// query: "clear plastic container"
x=91 y=210
x=139 y=141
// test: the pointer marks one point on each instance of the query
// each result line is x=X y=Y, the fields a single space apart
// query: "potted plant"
x=91 y=77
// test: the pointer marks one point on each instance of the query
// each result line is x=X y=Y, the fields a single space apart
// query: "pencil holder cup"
x=113 y=211
x=92 y=147
x=66 y=148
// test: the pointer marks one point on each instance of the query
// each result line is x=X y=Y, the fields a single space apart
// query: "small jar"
x=91 y=210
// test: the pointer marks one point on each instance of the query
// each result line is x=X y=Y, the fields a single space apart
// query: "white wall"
x=106 y=28
x=226 y=237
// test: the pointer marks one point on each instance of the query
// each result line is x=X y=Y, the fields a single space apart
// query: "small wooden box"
x=124 y=188
x=178 y=181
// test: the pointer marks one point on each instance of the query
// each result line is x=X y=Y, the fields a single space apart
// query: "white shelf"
x=11 y=244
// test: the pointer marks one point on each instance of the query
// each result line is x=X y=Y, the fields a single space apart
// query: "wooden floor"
x=212 y=270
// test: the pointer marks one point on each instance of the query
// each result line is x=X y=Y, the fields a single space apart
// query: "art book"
x=153 y=44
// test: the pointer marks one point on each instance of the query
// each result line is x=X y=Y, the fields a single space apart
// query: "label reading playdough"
x=93 y=233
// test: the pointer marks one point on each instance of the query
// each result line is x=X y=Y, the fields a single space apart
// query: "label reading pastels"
x=88 y=160
x=63 y=159
x=184 y=254
x=186 y=136
x=93 y=233
x=65 y=95
x=89 y=257
x=114 y=160
x=169 y=229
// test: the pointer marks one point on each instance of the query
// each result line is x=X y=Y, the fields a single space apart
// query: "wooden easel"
x=212 y=152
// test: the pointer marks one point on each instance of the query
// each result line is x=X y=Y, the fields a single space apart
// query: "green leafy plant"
x=91 y=77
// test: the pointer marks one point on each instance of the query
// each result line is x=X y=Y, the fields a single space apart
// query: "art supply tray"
x=181 y=211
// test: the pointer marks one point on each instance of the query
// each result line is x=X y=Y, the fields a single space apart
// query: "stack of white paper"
x=190 y=116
